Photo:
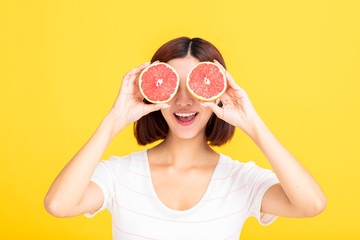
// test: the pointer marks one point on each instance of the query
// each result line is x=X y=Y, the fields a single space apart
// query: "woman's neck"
x=183 y=153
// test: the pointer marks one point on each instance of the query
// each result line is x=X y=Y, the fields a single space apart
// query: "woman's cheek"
x=166 y=114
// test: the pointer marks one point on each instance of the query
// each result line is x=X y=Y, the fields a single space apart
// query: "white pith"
x=159 y=82
x=207 y=81
x=184 y=114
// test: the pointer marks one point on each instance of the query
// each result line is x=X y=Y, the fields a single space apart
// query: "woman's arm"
x=67 y=190
x=298 y=194
x=303 y=193
x=69 y=186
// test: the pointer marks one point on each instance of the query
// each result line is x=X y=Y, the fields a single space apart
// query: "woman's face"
x=185 y=116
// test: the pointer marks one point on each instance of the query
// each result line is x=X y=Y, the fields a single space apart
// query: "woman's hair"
x=153 y=127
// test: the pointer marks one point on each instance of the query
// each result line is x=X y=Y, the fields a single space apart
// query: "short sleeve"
x=103 y=176
x=259 y=181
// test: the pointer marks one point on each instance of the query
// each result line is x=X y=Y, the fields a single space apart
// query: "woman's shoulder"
x=125 y=160
x=243 y=172
x=237 y=165
x=229 y=160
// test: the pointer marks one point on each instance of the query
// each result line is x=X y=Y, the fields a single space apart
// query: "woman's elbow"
x=319 y=207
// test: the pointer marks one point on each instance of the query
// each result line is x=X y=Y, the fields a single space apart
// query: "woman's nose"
x=183 y=97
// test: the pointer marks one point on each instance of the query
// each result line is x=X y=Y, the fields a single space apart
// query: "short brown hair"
x=153 y=127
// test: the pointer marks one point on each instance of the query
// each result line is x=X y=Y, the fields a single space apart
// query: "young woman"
x=182 y=188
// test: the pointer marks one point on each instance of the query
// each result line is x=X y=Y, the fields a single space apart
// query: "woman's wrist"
x=115 y=122
x=256 y=126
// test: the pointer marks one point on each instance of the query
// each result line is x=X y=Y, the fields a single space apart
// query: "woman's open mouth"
x=185 y=118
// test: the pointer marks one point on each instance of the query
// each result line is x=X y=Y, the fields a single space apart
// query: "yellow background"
x=62 y=63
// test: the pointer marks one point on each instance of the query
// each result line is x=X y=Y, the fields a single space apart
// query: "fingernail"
x=165 y=106
x=203 y=104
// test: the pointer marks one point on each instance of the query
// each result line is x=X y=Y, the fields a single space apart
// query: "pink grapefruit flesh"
x=159 y=82
x=206 y=81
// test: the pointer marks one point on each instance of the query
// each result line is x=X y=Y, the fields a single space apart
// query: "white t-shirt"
x=233 y=194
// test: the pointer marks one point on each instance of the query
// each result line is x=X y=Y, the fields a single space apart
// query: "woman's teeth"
x=184 y=114
x=185 y=117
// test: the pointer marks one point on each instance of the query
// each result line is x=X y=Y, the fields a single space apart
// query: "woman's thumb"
x=148 y=108
x=214 y=107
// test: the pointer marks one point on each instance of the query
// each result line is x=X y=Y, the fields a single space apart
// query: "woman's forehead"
x=183 y=65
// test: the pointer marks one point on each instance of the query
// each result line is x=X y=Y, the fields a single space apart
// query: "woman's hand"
x=237 y=109
x=129 y=105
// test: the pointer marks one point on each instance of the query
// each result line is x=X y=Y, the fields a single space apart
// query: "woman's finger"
x=148 y=108
x=131 y=76
x=140 y=69
x=232 y=82
x=225 y=98
x=230 y=79
x=215 y=108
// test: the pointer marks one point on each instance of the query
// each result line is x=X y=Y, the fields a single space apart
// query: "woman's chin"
x=186 y=135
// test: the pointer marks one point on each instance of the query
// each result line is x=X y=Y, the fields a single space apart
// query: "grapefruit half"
x=206 y=81
x=159 y=82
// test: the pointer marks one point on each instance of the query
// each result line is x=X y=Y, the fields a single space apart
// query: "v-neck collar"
x=198 y=204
